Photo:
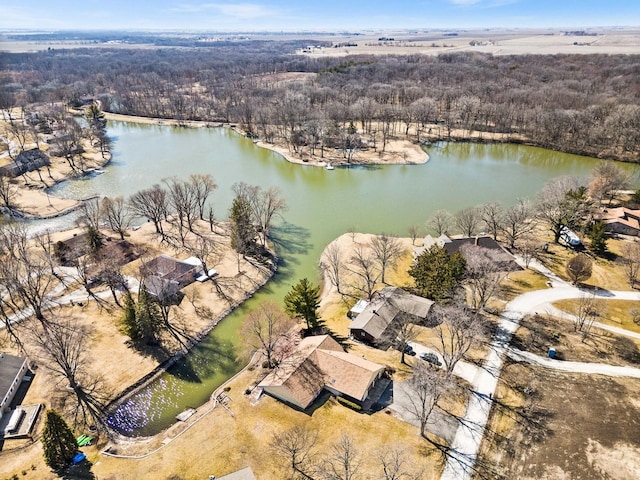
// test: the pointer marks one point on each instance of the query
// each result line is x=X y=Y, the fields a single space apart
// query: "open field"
x=547 y=425
x=494 y=41
x=600 y=40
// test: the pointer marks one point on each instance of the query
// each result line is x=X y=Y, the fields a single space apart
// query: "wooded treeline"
x=587 y=104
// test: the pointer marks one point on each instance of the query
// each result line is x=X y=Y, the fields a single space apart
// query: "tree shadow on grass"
x=80 y=471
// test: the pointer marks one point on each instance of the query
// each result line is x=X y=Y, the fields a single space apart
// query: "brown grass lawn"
x=618 y=313
x=521 y=282
x=219 y=443
x=539 y=332
x=548 y=425
x=608 y=273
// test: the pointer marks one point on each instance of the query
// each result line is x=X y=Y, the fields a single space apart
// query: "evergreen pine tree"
x=94 y=240
x=303 y=301
x=598 y=238
x=59 y=444
x=148 y=318
x=437 y=274
x=129 y=320
x=243 y=231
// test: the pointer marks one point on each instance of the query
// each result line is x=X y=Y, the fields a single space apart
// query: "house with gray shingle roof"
x=12 y=371
x=26 y=161
x=388 y=306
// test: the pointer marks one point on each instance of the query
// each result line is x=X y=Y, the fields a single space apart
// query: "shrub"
x=349 y=404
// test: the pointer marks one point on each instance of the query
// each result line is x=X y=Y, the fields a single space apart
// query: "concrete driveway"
x=439 y=423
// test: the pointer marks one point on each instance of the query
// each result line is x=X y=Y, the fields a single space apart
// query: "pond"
x=323 y=204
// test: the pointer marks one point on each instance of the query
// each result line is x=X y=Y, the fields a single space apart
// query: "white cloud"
x=464 y=2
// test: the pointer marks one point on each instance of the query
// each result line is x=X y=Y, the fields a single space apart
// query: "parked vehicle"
x=409 y=350
x=432 y=358
x=569 y=237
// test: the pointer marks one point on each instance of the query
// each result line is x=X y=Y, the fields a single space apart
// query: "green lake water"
x=322 y=205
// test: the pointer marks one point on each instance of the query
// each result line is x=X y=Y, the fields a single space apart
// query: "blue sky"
x=298 y=15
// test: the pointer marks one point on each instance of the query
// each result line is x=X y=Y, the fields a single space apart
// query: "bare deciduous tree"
x=8 y=194
x=116 y=214
x=343 y=462
x=403 y=332
x=90 y=214
x=491 y=214
x=202 y=186
x=184 y=203
x=151 y=204
x=518 y=220
x=528 y=247
x=440 y=222
x=586 y=310
x=562 y=202
x=483 y=274
x=387 y=250
x=414 y=233
x=267 y=205
x=631 y=254
x=579 y=268
x=62 y=347
x=266 y=327
x=332 y=264
x=25 y=273
x=394 y=464
x=457 y=331
x=364 y=267
x=296 y=446
x=425 y=388
x=468 y=220
x=607 y=179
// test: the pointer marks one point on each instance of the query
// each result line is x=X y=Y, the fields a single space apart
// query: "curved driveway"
x=466 y=443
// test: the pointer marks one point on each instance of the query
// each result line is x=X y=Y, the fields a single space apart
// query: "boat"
x=329 y=167
x=98 y=171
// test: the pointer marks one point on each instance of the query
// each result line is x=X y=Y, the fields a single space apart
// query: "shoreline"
x=163 y=367
x=408 y=153
x=415 y=154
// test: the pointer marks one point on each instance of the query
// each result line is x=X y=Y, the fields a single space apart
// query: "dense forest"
x=587 y=104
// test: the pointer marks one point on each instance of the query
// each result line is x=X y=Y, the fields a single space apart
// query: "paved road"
x=573 y=367
x=466 y=444
x=556 y=312
x=443 y=425
x=464 y=370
